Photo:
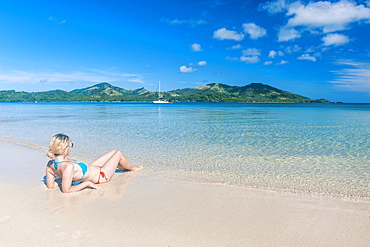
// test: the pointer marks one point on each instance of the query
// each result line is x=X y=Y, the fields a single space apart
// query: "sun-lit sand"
x=139 y=209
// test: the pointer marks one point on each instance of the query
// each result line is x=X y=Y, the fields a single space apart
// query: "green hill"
x=254 y=92
x=106 y=92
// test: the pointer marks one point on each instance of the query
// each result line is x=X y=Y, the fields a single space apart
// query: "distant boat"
x=160 y=99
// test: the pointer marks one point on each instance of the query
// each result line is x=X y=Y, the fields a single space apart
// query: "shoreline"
x=139 y=209
x=217 y=179
x=197 y=179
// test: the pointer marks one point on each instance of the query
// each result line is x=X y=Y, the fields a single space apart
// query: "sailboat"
x=160 y=100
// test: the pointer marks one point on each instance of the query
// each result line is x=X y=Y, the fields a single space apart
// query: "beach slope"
x=140 y=209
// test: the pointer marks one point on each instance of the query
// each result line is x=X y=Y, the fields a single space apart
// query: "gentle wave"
x=316 y=149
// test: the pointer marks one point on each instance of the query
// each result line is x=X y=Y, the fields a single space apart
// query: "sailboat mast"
x=159 y=95
x=159 y=89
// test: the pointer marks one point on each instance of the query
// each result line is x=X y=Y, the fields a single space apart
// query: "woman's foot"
x=136 y=168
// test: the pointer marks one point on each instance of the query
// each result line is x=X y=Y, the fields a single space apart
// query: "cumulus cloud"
x=288 y=33
x=267 y=63
x=292 y=49
x=282 y=62
x=307 y=57
x=196 y=47
x=249 y=59
x=223 y=34
x=251 y=52
x=335 y=39
x=354 y=77
x=328 y=16
x=202 y=63
x=184 y=69
x=274 y=7
x=323 y=16
x=253 y=30
x=272 y=54
x=235 y=47
x=250 y=55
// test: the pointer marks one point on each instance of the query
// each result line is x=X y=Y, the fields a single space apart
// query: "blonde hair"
x=60 y=144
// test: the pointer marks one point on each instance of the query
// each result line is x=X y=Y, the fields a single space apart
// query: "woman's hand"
x=93 y=186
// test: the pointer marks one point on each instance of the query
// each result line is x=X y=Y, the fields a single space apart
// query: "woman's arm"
x=50 y=182
x=67 y=175
x=79 y=187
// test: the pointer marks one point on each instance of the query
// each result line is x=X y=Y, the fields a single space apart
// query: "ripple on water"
x=311 y=149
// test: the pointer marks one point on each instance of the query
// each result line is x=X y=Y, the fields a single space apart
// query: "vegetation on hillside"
x=254 y=92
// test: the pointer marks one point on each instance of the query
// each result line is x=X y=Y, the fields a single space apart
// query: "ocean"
x=310 y=149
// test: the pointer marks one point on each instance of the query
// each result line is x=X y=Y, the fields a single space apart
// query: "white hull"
x=161 y=102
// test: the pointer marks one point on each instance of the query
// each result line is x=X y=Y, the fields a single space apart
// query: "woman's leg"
x=125 y=164
x=102 y=159
x=111 y=160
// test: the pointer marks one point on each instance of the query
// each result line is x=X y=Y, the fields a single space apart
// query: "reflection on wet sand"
x=70 y=202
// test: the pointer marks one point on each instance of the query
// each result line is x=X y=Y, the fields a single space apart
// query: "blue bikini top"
x=80 y=164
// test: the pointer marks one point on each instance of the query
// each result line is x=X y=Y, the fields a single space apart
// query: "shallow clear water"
x=320 y=149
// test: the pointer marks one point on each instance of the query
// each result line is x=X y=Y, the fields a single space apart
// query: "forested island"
x=214 y=92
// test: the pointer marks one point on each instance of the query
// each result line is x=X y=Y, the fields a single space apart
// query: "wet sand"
x=140 y=209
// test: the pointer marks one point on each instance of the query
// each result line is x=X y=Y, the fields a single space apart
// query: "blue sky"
x=319 y=49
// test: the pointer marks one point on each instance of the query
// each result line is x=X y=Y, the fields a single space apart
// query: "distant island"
x=214 y=92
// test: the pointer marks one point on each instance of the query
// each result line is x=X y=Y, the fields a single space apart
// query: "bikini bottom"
x=101 y=174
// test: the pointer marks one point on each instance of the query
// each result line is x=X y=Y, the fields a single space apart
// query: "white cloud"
x=191 y=22
x=91 y=75
x=251 y=52
x=267 y=63
x=232 y=58
x=307 y=57
x=286 y=33
x=196 y=47
x=323 y=16
x=282 y=62
x=274 y=7
x=184 y=69
x=235 y=47
x=57 y=21
x=249 y=59
x=202 y=63
x=254 y=31
x=355 y=77
x=317 y=54
x=310 y=49
x=137 y=80
x=335 y=39
x=272 y=54
x=292 y=49
x=327 y=16
x=223 y=33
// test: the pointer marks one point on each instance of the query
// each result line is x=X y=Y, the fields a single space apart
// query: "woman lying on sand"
x=99 y=171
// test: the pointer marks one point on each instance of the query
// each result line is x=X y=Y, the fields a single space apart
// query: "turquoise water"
x=316 y=149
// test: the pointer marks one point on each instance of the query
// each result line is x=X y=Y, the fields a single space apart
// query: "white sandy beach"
x=139 y=209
